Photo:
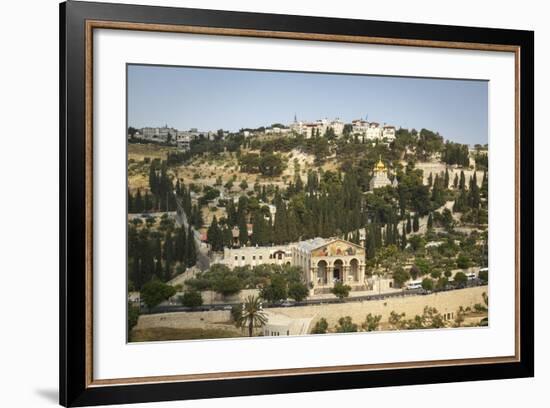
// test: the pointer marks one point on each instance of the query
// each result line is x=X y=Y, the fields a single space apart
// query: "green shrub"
x=192 y=298
x=320 y=327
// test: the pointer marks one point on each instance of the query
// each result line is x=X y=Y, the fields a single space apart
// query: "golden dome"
x=380 y=166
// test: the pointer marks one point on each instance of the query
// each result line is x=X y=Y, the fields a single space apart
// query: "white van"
x=414 y=285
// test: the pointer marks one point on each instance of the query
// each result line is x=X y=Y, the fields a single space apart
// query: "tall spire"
x=380 y=167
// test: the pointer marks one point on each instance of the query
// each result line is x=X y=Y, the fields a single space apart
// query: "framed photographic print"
x=255 y=203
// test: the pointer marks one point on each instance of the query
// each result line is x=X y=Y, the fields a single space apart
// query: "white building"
x=307 y=129
x=183 y=140
x=167 y=134
x=253 y=256
x=388 y=133
x=150 y=133
x=162 y=134
x=374 y=131
x=277 y=130
x=338 y=126
x=359 y=126
x=320 y=126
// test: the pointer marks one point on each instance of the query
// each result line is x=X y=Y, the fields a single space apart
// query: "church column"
x=313 y=280
x=345 y=273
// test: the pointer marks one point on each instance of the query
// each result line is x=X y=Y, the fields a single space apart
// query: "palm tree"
x=252 y=314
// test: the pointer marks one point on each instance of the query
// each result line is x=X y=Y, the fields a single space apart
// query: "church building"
x=380 y=177
x=326 y=262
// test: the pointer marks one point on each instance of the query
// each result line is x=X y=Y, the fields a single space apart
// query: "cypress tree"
x=409 y=226
x=138 y=202
x=446 y=179
x=153 y=181
x=416 y=223
x=437 y=194
x=147 y=202
x=243 y=230
x=231 y=213
x=147 y=269
x=298 y=183
x=214 y=235
x=280 y=224
x=227 y=237
x=191 y=252
x=181 y=244
x=292 y=230
x=430 y=222
x=258 y=229
x=462 y=183
x=370 y=242
x=130 y=203
x=461 y=202
x=168 y=256
x=455 y=182
x=474 y=196
x=388 y=234
x=133 y=256
x=485 y=186
x=157 y=247
x=377 y=235
x=200 y=220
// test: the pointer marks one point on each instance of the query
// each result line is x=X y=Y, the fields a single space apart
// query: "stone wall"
x=213 y=298
x=444 y=302
x=180 y=320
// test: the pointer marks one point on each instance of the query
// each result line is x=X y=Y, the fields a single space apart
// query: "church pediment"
x=338 y=248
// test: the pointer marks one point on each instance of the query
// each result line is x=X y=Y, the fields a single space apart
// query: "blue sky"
x=230 y=99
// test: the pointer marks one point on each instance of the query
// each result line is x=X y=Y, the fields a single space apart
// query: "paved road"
x=203 y=260
x=308 y=302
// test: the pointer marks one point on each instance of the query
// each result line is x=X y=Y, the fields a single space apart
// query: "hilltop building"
x=158 y=134
x=372 y=130
x=388 y=133
x=169 y=135
x=183 y=141
x=310 y=129
x=275 y=130
x=359 y=126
